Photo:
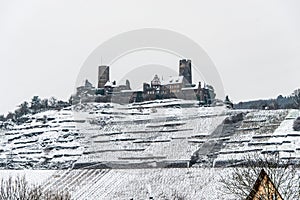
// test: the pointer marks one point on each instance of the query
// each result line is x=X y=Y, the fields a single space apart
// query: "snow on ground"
x=159 y=131
x=285 y=140
x=264 y=132
x=141 y=139
x=46 y=140
x=100 y=132
x=139 y=135
x=190 y=183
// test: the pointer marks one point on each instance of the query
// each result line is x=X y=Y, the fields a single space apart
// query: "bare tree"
x=19 y=189
x=175 y=195
x=282 y=173
x=56 y=195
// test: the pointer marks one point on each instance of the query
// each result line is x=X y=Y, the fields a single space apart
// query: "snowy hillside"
x=145 y=135
x=161 y=133
x=48 y=140
x=157 y=149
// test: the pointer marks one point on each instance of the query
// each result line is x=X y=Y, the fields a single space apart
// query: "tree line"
x=281 y=102
x=36 y=105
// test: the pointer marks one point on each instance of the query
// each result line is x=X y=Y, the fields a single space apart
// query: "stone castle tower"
x=103 y=75
x=185 y=70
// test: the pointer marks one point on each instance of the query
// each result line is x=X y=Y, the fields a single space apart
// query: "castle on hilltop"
x=180 y=87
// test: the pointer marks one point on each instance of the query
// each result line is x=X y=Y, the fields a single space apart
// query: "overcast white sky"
x=255 y=45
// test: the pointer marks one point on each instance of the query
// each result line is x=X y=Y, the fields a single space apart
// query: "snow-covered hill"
x=48 y=140
x=161 y=133
x=153 y=149
x=146 y=135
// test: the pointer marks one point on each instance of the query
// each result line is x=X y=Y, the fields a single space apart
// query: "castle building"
x=180 y=86
x=174 y=83
x=84 y=93
x=103 y=75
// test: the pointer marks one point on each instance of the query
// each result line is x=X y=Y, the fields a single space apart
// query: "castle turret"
x=103 y=75
x=185 y=70
x=155 y=82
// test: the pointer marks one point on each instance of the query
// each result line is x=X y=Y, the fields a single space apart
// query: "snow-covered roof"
x=190 y=88
x=127 y=91
x=173 y=80
x=110 y=84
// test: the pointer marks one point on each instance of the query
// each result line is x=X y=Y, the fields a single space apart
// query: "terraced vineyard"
x=49 y=140
x=171 y=133
x=143 y=137
x=262 y=132
x=154 y=149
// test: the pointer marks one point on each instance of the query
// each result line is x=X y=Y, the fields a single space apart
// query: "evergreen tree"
x=296 y=98
x=24 y=108
x=228 y=103
x=36 y=104
x=2 y=118
x=52 y=102
x=10 y=116
x=45 y=104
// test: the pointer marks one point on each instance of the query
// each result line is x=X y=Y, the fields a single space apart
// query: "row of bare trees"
x=19 y=189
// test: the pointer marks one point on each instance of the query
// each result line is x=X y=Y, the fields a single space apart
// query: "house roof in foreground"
x=262 y=175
